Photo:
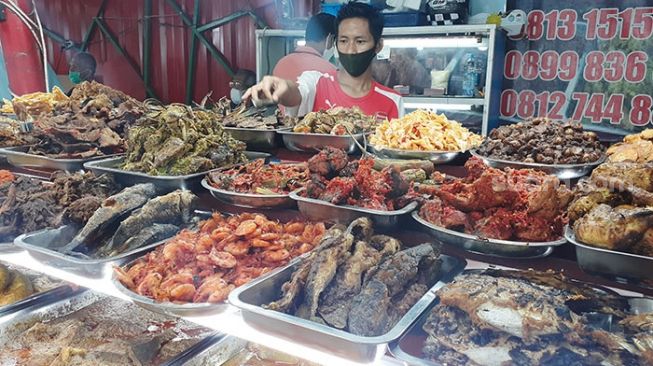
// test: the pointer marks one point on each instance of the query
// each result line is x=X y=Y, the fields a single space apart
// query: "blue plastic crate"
x=331 y=8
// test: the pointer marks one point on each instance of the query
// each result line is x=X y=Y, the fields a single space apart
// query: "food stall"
x=138 y=232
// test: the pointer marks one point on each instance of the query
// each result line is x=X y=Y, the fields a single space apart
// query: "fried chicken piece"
x=613 y=228
x=588 y=196
x=316 y=186
x=435 y=212
x=370 y=182
x=349 y=170
x=644 y=246
x=328 y=162
x=491 y=189
x=637 y=174
x=338 y=190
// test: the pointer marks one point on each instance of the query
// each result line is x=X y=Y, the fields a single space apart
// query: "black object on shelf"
x=405 y=19
x=448 y=12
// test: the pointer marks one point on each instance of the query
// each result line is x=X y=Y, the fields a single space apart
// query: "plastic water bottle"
x=471 y=76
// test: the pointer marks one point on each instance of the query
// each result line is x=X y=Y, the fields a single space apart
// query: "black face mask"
x=357 y=63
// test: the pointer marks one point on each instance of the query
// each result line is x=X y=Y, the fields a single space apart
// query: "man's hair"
x=320 y=26
x=84 y=62
x=354 y=9
x=246 y=77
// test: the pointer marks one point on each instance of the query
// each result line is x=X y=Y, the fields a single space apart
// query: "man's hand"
x=274 y=90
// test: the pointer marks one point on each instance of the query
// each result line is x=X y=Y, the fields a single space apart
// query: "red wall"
x=170 y=42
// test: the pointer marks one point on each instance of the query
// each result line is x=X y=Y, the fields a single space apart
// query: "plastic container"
x=471 y=75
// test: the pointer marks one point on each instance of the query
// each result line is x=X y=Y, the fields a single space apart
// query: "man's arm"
x=275 y=90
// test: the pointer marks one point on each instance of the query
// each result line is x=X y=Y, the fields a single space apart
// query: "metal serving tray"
x=362 y=349
x=13 y=325
x=256 y=138
x=492 y=247
x=409 y=347
x=38 y=298
x=312 y=142
x=40 y=245
x=168 y=308
x=618 y=266
x=18 y=156
x=436 y=157
x=9 y=247
x=325 y=211
x=213 y=350
x=562 y=171
x=250 y=200
x=163 y=183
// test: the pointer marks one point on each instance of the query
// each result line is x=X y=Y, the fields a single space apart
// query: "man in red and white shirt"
x=358 y=40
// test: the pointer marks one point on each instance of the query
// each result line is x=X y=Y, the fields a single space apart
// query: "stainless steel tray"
x=618 y=266
x=215 y=350
x=324 y=211
x=9 y=247
x=40 y=245
x=13 y=325
x=251 y=296
x=409 y=347
x=436 y=157
x=250 y=200
x=257 y=139
x=312 y=142
x=562 y=171
x=492 y=247
x=18 y=156
x=163 y=183
x=38 y=298
x=168 y=308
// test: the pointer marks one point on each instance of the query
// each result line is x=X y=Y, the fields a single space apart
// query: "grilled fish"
x=337 y=298
x=369 y=314
x=114 y=208
x=293 y=290
x=146 y=236
x=173 y=208
x=324 y=269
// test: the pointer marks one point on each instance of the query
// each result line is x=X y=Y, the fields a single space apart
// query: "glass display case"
x=455 y=70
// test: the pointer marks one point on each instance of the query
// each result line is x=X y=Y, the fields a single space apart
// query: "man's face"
x=237 y=83
x=354 y=36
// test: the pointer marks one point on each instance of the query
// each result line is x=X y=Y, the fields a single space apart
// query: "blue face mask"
x=236 y=95
x=75 y=77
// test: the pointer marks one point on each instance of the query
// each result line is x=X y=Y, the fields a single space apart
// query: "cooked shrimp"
x=258 y=243
x=294 y=228
x=149 y=285
x=237 y=248
x=276 y=255
x=204 y=244
x=246 y=227
x=223 y=259
x=184 y=292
